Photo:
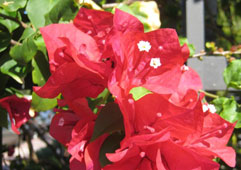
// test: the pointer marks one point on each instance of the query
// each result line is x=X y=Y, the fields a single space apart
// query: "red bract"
x=152 y=60
x=157 y=152
x=75 y=63
x=18 y=110
x=80 y=54
x=73 y=82
x=74 y=130
x=195 y=136
x=137 y=153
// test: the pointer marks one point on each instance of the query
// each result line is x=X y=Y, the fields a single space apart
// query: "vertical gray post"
x=211 y=68
x=195 y=23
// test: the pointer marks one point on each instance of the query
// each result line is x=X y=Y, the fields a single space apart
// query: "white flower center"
x=155 y=62
x=144 y=46
x=212 y=108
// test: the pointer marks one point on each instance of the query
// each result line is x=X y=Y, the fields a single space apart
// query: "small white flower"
x=212 y=108
x=184 y=68
x=155 y=62
x=205 y=108
x=144 y=46
x=209 y=107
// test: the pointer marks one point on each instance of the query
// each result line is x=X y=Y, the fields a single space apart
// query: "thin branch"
x=110 y=5
x=24 y=25
x=209 y=94
x=13 y=42
x=218 y=53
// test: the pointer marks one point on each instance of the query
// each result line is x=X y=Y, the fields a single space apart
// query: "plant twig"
x=13 y=42
x=218 y=53
x=209 y=94
x=21 y=23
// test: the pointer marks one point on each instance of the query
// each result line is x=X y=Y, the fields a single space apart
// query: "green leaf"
x=5 y=38
x=25 y=52
x=11 y=68
x=228 y=109
x=36 y=10
x=3 y=118
x=27 y=33
x=12 y=5
x=9 y=24
x=102 y=98
x=232 y=74
x=64 y=10
x=184 y=40
x=40 y=73
x=39 y=41
x=42 y=104
x=139 y=92
x=146 y=12
x=109 y=120
x=110 y=144
x=46 y=12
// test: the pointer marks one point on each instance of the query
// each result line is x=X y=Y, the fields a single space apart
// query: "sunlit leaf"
x=147 y=12
x=12 y=5
x=228 y=109
x=232 y=74
x=25 y=52
x=139 y=92
x=14 y=70
x=9 y=24
x=42 y=104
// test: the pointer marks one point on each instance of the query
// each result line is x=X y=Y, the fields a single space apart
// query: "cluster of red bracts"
x=167 y=129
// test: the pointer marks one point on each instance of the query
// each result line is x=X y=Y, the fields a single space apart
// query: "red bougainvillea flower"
x=107 y=28
x=153 y=60
x=79 y=54
x=18 y=110
x=157 y=152
x=194 y=135
x=77 y=75
x=73 y=82
x=73 y=128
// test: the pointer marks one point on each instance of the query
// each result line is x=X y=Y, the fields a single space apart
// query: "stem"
x=218 y=53
x=32 y=155
x=209 y=94
x=24 y=25
x=13 y=42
